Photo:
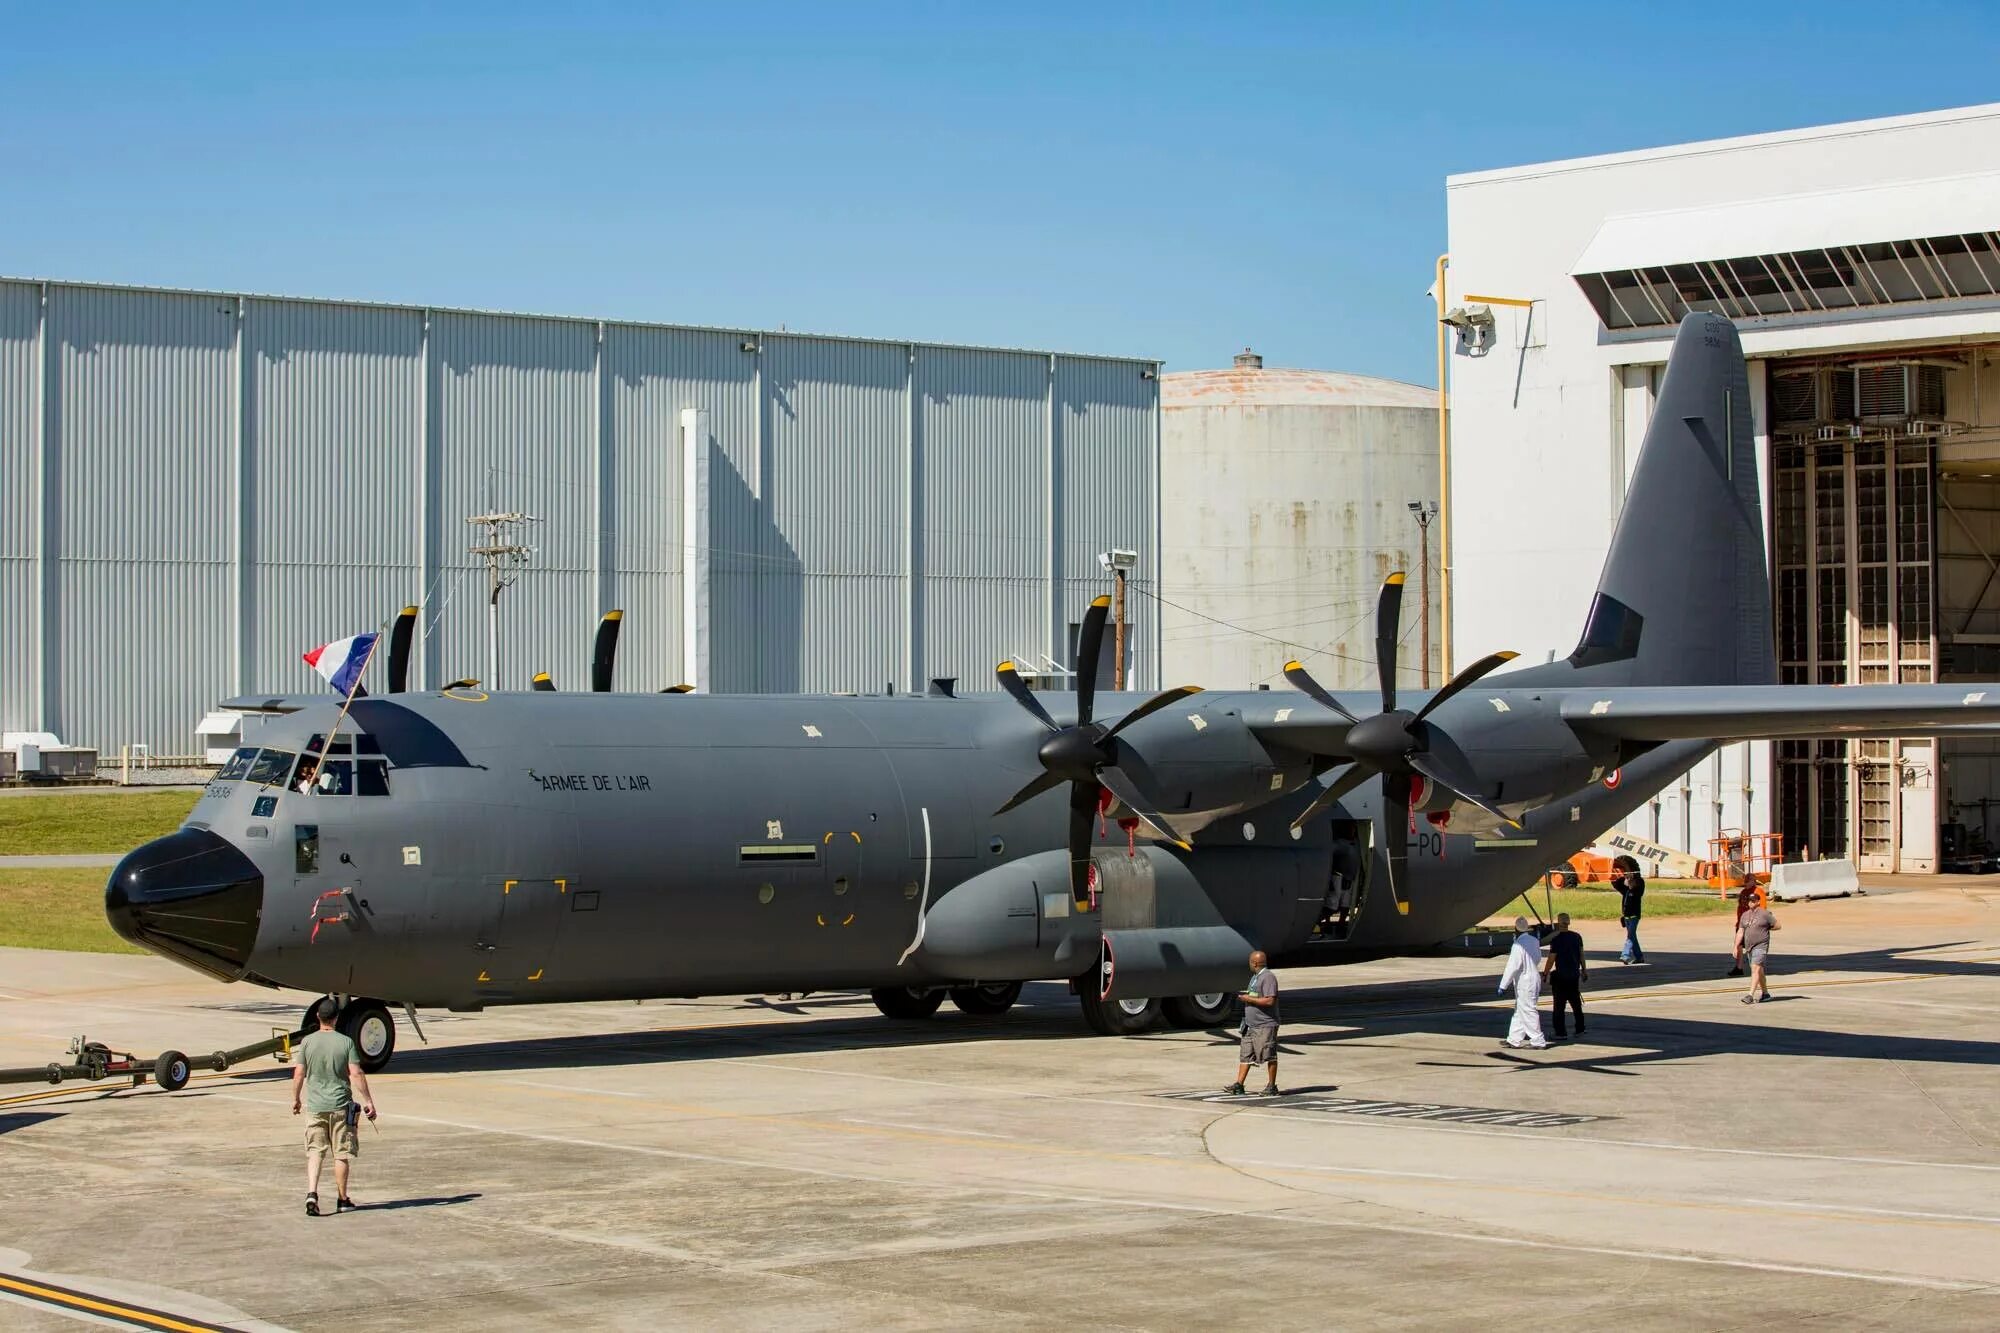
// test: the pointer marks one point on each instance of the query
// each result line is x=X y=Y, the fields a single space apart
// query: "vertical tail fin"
x=1685 y=598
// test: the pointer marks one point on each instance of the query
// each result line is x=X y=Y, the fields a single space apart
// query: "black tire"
x=310 y=1023
x=368 y=1024
x=986 y=1001
x=1201 y=1011
x=907 y=1001
x=1117 y=1018
x=171 y=1071
x=1567 y=880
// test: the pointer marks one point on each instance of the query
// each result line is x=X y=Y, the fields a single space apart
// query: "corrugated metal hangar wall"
x=195 y=487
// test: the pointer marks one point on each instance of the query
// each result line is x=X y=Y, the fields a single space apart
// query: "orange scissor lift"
x=1738 y=860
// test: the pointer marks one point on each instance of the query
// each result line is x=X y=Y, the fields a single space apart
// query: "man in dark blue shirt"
x=1566 y=971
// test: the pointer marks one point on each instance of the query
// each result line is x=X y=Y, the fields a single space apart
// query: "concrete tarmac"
x=1830 y=1158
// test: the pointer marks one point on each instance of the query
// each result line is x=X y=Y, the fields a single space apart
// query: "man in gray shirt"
x=1260 y=1026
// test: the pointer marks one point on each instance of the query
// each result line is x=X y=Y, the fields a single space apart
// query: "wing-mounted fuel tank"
x=1174 y=923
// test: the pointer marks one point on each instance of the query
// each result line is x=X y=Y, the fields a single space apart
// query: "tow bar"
x=170 y=1070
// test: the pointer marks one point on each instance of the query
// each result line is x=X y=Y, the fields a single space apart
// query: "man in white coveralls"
x=1524 y=974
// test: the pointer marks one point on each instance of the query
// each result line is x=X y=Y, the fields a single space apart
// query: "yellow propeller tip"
x=1394 y=580
x=614 y=615
x=1293 y=666
x=1004 y=666
x=1506 y=657
x=1184 y=846
x=1100 y=601
x=541 y=675
x=409 y=610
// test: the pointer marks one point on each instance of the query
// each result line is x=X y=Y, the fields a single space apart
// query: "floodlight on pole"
x=1119 y=562
x=1424 y=511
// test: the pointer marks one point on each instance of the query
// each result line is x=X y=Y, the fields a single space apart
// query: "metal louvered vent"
x=1795 y=398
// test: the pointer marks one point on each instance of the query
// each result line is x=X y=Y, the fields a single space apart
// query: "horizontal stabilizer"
x=1759 y=712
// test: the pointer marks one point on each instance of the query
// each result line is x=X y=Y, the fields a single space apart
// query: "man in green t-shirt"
x=326 y=1072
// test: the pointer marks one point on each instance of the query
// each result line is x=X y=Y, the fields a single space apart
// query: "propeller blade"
x=678 y=689
x=1122 y=787
x=1313 y=690
x=604 y=652
x=399 y=650
x=1031 y=791
x=1082 y=821
x=1010 y=681
x=464 y=683
x=1465 y=678
x=1396 y=813
x=1089 y=648
x=1440 y=772
x=542 y=681
x=1388 y=615
x=1153 y=705
x=1350 y=777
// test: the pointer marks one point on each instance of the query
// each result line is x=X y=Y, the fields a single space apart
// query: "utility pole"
x=1120 y=563
x=1425 y=511
x=504 y=559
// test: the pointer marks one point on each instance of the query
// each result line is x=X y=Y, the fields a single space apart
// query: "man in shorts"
x=326 y=1071
x=1260 y=1026
x=1753 y=942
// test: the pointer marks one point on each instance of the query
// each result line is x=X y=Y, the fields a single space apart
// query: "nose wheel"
x=368 y=1025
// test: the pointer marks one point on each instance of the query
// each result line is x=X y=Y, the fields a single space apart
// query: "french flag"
x=341 y=661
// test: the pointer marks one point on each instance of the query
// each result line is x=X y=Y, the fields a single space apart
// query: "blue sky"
x=1171 y=180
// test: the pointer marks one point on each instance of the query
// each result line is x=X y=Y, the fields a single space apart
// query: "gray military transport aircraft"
x=470 y=848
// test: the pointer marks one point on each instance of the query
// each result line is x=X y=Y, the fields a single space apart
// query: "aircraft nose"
x=191 y=896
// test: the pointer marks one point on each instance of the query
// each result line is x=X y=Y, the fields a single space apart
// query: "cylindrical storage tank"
x=1284 y=502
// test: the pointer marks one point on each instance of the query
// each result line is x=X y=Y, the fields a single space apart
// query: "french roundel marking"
x=1611 y=779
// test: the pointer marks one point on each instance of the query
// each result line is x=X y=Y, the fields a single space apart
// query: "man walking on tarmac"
x=326 y=1069
x=1260 y=1026
x=1524 y=974
x=1563 y=965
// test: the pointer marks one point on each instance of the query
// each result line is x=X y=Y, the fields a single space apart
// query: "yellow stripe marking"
x=76 y=1301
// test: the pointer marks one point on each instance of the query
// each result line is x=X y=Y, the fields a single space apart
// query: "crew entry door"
x=518 y=939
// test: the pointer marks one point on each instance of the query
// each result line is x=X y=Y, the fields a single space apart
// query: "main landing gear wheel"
x=1200 y=1011
x=1117 y=1018
x=368 y=1023
x=907 y=1001
x=995 y=997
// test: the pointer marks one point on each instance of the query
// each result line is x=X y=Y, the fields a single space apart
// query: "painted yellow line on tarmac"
x=69 y=1301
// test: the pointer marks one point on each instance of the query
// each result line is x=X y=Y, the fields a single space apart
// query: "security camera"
x=1474 y=325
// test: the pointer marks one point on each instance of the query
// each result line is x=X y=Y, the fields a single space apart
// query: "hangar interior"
x=1884 y=513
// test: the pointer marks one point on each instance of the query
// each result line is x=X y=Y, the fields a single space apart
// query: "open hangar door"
x=1968 y=599
x=1885 y=532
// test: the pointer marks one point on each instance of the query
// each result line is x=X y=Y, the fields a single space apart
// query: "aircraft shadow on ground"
x=1367 y=1013
x=22 y=1119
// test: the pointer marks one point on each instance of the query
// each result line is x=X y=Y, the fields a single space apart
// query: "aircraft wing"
x=1758 y=712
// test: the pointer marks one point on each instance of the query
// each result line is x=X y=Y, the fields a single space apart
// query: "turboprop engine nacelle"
x=1527 y=757
x=1202 y=764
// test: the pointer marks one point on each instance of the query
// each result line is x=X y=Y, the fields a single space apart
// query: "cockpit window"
x=239 y=764
x=326 y=768
x=270 y=766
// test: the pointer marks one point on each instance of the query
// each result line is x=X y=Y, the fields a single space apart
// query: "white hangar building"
x=1861 y=263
